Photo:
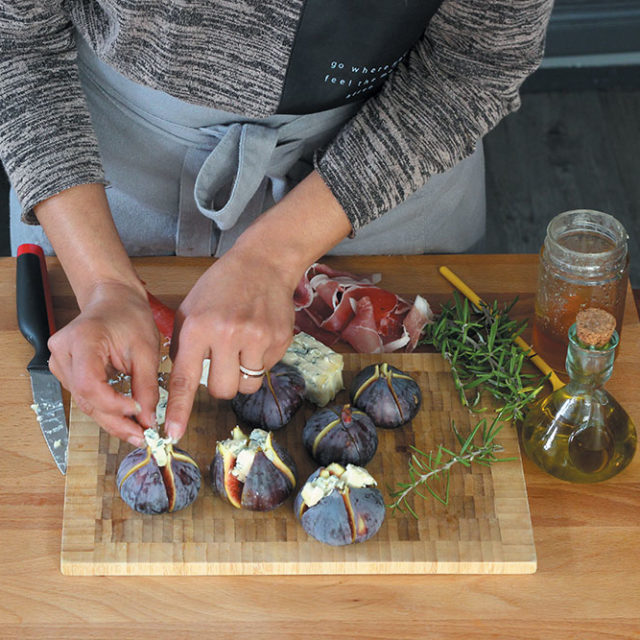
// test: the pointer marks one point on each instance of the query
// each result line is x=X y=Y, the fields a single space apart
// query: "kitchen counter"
x=587 y=584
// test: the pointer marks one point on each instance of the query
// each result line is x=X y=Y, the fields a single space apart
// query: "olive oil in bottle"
x=580 y=433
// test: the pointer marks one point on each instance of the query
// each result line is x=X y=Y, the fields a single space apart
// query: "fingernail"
x=171 y=430
x=138 y=407
x=136 y=441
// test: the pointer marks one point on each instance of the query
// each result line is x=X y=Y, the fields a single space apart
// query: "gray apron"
x=188 y=180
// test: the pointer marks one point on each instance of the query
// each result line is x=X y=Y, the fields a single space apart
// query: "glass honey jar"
x=584 y=263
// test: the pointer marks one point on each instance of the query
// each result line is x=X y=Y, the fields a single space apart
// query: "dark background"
x=575 y=142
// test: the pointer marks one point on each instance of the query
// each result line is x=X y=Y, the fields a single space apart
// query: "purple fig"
x=389 y=396
x=159 y=478
x=340 y=434
x=274 y=404
x=340 y=505
x=252 y=472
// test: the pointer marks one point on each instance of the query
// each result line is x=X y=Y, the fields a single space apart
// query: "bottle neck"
x=590 y=366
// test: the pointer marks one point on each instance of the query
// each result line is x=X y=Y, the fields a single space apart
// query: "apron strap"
x=241 y=158
x=246 y=159
x=195 y=233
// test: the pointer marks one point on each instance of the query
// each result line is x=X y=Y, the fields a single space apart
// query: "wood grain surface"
x=586 y=585
x=485 y=528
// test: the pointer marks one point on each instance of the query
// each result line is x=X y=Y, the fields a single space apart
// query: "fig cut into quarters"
x=273 y=405
x=252 y=472
x=388 y=395
x=340 y=505
x=340 y=433
x=158 y=478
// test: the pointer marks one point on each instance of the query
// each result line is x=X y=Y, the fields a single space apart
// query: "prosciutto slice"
x=336 y=305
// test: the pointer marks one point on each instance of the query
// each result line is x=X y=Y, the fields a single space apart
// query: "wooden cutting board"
x=485 y=528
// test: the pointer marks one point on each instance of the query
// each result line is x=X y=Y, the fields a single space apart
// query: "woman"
x=266 y=133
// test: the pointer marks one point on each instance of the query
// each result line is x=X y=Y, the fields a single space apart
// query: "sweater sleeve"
x=455 y=85
x=47 y=143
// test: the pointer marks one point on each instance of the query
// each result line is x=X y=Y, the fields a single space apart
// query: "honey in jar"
x=583 y=263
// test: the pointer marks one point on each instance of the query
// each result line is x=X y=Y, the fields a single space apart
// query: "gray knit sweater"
x=455 y=83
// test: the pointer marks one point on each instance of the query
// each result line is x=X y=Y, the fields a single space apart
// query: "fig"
x=340 y=434
x=158 y=478
x=340 y=505
x=274 y=404
x=252 y=472
x=389 y=396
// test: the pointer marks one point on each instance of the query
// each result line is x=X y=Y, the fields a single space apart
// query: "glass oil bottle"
x=580 y=433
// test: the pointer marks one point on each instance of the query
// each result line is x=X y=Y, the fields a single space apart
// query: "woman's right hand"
x=115 y=329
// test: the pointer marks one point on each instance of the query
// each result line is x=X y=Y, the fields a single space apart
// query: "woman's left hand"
x=239 y=313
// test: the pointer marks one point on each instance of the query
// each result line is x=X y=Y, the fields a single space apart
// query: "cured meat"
x=335 y=305
x=318 y=274
x=362 y=333
x=164 y=316
x=418 y=317
x=306 y=323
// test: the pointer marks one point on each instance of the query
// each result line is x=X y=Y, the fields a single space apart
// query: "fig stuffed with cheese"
x=158 y=478
x=252 y=472
x=342 y=434
x=388 y=395
x=275 y=403
x=340 y=505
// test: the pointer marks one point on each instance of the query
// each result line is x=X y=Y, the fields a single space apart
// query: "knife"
x=36 y=322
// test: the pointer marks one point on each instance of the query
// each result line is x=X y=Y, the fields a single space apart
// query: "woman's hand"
x=240 y=312
x=115 y=330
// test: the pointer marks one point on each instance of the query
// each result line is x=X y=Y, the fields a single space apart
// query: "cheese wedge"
x=320 y=366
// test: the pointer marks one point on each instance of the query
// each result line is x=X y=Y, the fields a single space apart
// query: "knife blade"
x=36 y=322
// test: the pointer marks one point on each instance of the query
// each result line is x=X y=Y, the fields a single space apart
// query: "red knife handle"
x=35 y=311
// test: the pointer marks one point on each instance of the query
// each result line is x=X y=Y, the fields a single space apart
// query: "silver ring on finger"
x=251 y=373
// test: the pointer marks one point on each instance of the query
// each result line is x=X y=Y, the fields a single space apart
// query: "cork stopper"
x=595 y=327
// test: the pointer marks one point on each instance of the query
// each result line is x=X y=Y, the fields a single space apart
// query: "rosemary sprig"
x=479 y=346
x=425 y=469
